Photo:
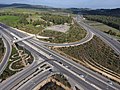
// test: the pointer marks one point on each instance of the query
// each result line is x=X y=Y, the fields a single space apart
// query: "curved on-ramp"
x=4 y=62
x=87 y=38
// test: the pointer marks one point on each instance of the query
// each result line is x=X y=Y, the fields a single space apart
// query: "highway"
x=77 y=69
x=114 y=44
x=13 y=81
x=32 y=84
x=8 y=50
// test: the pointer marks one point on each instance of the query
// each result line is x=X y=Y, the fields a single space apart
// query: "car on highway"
x=47 y=67
x=110 y=82
x=60 y=62
x=50 y=70
x=43 y=65
x=82 y=76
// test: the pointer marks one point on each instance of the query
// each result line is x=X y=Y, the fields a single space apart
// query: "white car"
x=81 y=75
x=66 y=66
x=109 y=82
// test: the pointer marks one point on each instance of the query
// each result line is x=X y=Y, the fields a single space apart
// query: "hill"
x=107 y=12
x=18 y=5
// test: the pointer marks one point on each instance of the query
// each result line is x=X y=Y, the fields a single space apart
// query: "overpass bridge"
x=29 y=37
x=22 y=39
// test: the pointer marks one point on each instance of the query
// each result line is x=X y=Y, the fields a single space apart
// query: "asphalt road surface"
x=93 y=80
x=8 y=50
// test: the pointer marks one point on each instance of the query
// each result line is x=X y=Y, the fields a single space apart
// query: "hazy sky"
x=69 y=3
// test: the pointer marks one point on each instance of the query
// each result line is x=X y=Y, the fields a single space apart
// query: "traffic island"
x=15 y=63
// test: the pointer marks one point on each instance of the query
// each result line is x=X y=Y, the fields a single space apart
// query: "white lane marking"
x=78 y=76
x=36 y=49
x=70 y=64
x=82 y=70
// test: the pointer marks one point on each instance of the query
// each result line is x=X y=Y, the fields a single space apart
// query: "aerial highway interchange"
x=28 y=78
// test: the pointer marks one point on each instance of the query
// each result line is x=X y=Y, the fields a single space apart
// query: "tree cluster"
x=56 y=19
x=39 y=22
x=23 y=20
x=13 y=14
x=111 y=32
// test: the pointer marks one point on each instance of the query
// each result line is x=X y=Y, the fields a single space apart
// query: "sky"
x=69 y=3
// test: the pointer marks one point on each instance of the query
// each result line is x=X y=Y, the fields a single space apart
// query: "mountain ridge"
x=20 y=5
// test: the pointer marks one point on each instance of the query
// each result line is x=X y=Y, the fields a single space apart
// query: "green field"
x=14 y=21
x=10 y=20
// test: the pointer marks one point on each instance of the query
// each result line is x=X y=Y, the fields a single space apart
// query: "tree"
x=23 y=21
x=31 y=21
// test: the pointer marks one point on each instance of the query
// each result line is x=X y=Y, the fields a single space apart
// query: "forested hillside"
x=87 y=11
x=108 y=20
x=56 y=19
x=107 y=12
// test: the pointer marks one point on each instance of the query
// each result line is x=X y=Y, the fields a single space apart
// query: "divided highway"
x=114 y=44
x=10 y=84
x=92 y=80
